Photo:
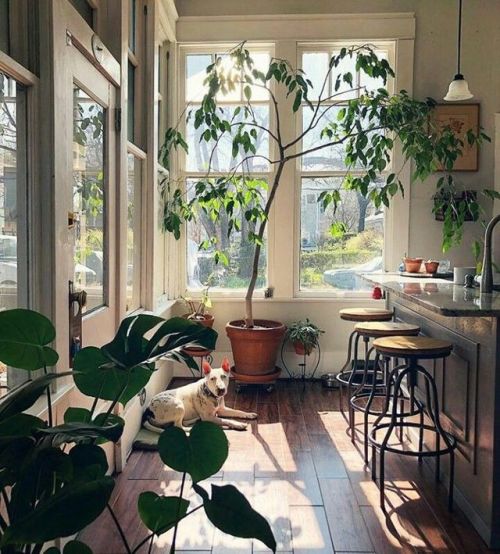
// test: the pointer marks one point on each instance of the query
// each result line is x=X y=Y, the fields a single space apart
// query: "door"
x=92 y=211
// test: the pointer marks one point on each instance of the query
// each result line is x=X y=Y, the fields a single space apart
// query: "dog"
x=203 y=399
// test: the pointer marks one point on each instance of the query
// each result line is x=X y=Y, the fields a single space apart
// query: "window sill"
x=298 y=299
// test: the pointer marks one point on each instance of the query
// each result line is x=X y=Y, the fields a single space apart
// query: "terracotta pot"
x=207 y=321
x=300 y=349
x=255 y=349
x=412 y=265
x=431 y=266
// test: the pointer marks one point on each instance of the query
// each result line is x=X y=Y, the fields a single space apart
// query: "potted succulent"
x=367 y=127
x=304 y=336
x=197 y=309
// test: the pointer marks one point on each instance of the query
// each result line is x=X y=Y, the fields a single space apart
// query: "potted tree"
x=304 y=336
x=367 y=128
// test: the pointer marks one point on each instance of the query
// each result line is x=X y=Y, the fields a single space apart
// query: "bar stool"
x=375 y=387
x=412 y=349
x=348 y=373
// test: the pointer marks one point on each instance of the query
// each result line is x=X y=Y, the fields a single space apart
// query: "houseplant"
x=197 y=309
x=304 y=336
x=53 y=477
x=367 y=128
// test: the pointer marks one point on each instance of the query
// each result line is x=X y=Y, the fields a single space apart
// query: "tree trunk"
x=257 y=250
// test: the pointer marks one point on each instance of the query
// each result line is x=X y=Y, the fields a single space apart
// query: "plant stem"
x=49 y=400
x=172 y=548
x=120 y=530
x=256 y=255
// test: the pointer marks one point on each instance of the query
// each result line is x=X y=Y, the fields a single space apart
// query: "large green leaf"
x=63 y=514
x=231 y=512
x=19 y=425
x=87 y=457
x=24 y=335
x=201 y=454
x=72 y=547
x=24 y=396
x=130 y=347
x=98 y=376
x=75 y=431
x=160 y=513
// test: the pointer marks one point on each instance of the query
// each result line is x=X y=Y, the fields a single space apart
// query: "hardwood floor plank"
x=327 y=460
x=295 y=432
x=270 y=500
x=300 y=476
x=383 y=536
x=310 y=530
x=346 y=524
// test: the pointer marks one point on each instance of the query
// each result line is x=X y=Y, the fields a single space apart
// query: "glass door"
x=93 y=199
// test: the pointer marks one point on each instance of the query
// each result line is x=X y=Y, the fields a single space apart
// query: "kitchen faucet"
x=487 y=270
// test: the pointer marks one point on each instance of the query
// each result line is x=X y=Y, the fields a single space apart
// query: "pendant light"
x=459 y=88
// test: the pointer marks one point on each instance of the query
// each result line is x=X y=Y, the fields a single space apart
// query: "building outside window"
x=201 y=268
x=334 y=244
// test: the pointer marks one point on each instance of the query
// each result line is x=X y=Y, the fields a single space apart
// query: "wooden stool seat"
x=414 y=347
x=366 y=314
x=374 y=329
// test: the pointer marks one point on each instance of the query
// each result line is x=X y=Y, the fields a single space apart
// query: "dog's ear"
x=226 y=366
x=206 y=367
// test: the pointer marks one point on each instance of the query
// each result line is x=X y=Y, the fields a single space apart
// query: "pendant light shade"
x=459 y=87
x=458 y=90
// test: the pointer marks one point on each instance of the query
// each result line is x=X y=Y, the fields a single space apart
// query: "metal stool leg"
x=344 y=368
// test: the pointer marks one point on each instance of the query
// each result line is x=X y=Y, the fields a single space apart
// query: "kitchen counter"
x=438 y=295
x=468 y=383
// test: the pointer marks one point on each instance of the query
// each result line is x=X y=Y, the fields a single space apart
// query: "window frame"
x=185 y=175
x=300 y=174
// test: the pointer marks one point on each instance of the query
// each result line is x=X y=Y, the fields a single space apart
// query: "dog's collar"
x=208 y=392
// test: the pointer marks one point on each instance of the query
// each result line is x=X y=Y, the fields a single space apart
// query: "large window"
x=335 y=245
x=201 y=268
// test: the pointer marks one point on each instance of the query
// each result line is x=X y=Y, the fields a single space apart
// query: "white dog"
x=203 y=399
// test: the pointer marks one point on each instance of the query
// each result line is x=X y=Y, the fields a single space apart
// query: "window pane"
x=222 y=160
x=85 y=10
x=131 y=102
x=315 y=65
x=261 y=63
x=196 y=65
x=329 y=261
x=372 y=83
x=327 y=159
x=134 y=180
x=201 y=268
x=347 y=65
x=88 y=197
x=132 y=24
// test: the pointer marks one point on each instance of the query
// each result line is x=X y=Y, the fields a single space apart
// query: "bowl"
x=412 y=265
x=431 y=266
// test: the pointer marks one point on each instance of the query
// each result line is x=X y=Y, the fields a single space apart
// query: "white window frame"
x=184 y=174
x=300 y=174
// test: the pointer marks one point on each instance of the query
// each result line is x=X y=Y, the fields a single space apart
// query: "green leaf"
x=202 y=454
x=24 y=396
x=19 y=425
x=61 y=515
x=81 y=415
x=160 y=513
x=24 y=335
x=86 y=456
x=97 y=376
x=231 y=512
x=76 y=547
x=76 y=431
x=247 y=91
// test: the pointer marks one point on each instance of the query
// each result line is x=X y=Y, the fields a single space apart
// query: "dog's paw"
x=238 y=426
x=251 y=415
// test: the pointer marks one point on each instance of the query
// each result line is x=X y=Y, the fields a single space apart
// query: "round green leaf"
x=76 y=547
x=24 y=335
x=85 y=456
x=160 y=513
x=201 y=454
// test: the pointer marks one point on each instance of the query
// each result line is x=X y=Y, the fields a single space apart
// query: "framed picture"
x=460 y=118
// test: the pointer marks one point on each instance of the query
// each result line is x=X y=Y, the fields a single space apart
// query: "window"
x=136 y=73
x=334 y=245
x=134 y=235
x=84 y=8
x=89 y=198
x=200 y=265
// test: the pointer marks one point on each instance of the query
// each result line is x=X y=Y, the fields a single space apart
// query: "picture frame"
x=461 y=118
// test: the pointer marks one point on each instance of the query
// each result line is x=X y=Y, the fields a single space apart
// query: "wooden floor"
x=298 y=467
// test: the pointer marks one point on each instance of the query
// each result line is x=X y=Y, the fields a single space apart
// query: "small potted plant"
x=197 y=309
x=304 y=336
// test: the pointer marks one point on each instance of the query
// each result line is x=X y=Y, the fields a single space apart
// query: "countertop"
x=438 y=295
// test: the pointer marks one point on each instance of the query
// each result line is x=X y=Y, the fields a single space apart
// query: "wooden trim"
x=15 y=70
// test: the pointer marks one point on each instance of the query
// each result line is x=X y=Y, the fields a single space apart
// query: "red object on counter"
x=377 y=293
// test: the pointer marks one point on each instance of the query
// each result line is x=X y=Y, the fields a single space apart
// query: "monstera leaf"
x=98 y=376
x=130 y=347
x=160 y=513
x=231 y=512
x=201 y=454
x=24 y=396
x=24 y=336
x=75 y=431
